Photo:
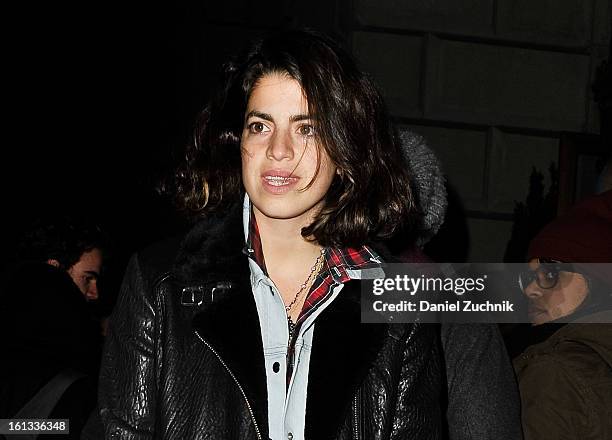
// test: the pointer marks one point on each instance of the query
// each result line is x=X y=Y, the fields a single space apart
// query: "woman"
x=250 y=328
x=565 y=376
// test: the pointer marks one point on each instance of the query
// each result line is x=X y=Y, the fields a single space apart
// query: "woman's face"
x=280 y=152
x=561 y=300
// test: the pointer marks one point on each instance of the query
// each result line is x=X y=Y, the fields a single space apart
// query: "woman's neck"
x=289 y=256
x=282 y=240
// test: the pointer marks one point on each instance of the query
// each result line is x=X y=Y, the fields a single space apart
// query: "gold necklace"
x=313 y=271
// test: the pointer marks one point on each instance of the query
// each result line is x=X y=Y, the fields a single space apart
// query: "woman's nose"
x=280 y=147
x=532 y=290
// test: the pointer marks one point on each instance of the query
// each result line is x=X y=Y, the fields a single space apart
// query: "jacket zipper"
x=237 y=383
x=357 y=415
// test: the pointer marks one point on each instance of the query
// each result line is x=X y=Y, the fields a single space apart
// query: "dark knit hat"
x=582 y=235
x=428 y=183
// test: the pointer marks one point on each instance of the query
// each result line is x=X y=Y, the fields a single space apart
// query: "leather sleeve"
x=417 y=414
x=127 y=376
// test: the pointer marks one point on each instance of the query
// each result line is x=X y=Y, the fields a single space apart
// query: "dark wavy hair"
x=64 y=238
x=368 y=200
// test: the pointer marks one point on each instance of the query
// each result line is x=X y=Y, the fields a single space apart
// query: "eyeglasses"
x=546 y=275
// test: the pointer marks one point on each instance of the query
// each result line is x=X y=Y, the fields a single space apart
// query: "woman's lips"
x=278 y=181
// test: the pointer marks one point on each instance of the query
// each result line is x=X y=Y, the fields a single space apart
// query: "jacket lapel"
x=211 y=255
x=231 y=326
x=343 y=350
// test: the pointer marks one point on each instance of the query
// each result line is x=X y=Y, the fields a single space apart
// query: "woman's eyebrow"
x=296 y=118
x=268 y=117
x=259 y=114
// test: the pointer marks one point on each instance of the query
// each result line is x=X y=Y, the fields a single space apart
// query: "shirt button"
x=290 y=436
x=276 y=367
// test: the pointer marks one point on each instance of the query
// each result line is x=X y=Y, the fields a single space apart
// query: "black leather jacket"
x=184 y=358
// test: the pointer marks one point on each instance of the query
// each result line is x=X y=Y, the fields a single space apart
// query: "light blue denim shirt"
x=286 y=405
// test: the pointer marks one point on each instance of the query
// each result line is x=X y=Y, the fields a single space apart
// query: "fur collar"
x=212 y=249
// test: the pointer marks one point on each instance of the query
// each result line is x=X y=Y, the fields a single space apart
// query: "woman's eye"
x=306 y=130
x=547 y=274
x=258 y=127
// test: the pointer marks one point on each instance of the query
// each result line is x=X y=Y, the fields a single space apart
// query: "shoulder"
x=156 y=260
x=577 y=356
x=214 y=244
x=573 y=346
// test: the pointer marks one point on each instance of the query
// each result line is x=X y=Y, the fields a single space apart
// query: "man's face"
x=85 y=273
x=563 y=299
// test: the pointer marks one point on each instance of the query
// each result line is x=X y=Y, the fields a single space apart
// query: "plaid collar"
x=340 y=265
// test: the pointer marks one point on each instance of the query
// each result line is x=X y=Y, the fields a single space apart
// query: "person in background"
x=70 y=245
x=565 y=378
x=51 y=341
x=481 y=393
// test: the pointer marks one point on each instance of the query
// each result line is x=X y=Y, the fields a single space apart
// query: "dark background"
x=94 y=104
